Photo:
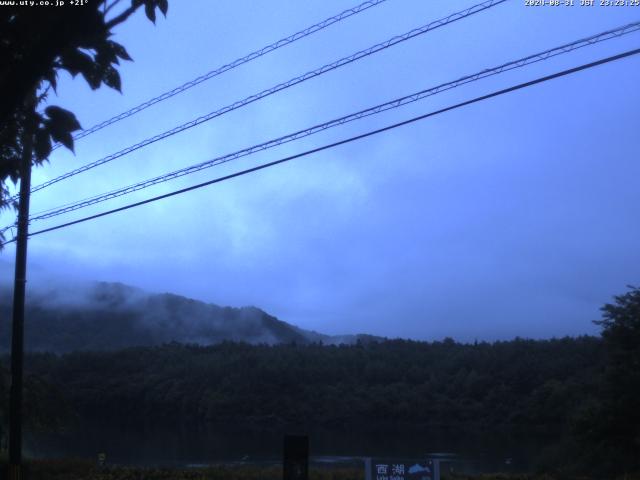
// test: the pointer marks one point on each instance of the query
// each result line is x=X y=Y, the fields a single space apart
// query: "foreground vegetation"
x=580 y=392
x=84 y=470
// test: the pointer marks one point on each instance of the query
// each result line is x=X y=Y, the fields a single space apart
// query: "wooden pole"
x=17 y=333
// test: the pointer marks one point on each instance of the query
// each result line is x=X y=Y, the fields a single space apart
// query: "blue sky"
x=515 y=216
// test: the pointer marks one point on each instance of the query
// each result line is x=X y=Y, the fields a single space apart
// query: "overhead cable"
x=270 y=91
x=342 y=142
x=398 y=102
x=230 y=66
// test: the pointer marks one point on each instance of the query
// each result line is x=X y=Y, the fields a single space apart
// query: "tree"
x=620 y=432
x=38 y=42
x=607 y=428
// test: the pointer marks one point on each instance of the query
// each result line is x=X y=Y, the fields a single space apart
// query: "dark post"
x=17 y=334
x=296 y=457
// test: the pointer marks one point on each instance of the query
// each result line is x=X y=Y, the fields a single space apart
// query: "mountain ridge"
x=112 y=315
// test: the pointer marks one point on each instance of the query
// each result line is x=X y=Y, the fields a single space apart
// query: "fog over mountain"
x=107 y=316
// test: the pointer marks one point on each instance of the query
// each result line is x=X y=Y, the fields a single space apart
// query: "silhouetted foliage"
x=36 y=43
x=610 y=426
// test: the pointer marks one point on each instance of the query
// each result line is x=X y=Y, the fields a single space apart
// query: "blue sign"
x=389 y=469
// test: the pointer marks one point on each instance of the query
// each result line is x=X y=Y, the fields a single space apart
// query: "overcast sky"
x=515 y=216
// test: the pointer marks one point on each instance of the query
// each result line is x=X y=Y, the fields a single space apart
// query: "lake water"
x=476 y=451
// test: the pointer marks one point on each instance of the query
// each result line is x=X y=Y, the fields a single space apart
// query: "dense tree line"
x=518 y=383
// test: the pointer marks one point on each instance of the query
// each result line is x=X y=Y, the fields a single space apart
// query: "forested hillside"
x=526 y=385
x=112 y=316
x=522 y=382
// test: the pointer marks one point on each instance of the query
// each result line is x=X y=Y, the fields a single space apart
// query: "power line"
x=230 y=66
x=398 y=102
x=345 y=141
x=282 y=86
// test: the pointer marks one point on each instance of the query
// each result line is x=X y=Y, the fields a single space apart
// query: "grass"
x=70 y=469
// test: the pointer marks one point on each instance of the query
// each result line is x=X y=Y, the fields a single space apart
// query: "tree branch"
x=113 y=4
x=122 y=17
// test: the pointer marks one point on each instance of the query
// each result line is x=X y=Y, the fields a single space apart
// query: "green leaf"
x=38 y=118
x=93 y=78
x=112 y=79
x=42 y=144
x=60 y=125
x=163 y=5
x=64 y=138
x=52 y=77
x=62 y=120
x=119 y=50
x=150 y=10
x=105 y=55
x=75 y=62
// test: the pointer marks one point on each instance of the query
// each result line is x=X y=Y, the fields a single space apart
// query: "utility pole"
x=19 y=287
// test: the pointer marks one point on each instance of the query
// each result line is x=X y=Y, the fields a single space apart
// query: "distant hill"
x=109 y=316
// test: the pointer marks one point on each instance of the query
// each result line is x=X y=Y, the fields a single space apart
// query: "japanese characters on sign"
x=402 y=471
